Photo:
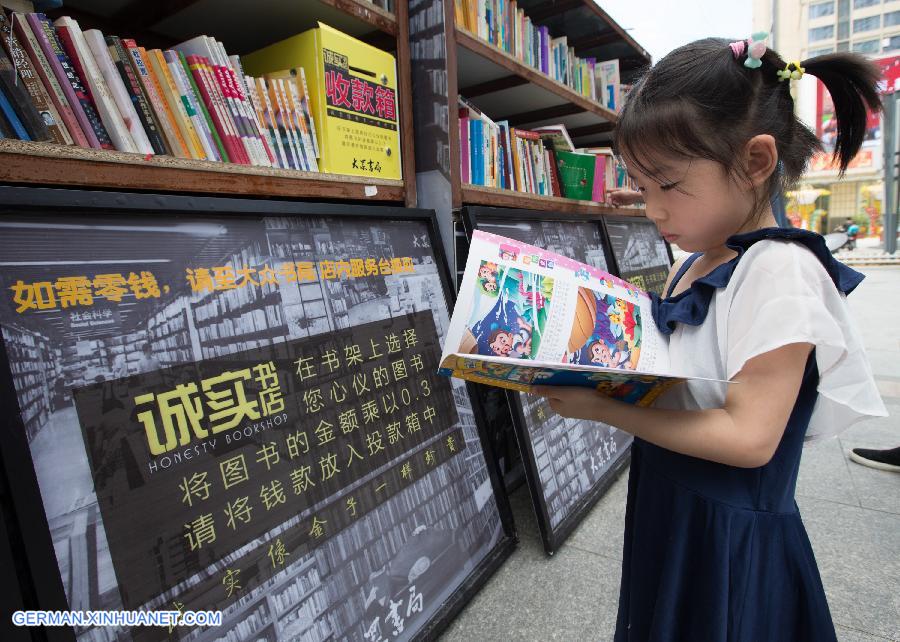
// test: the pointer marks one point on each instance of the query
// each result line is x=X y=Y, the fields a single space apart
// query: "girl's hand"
x=575 y=402
x=620 y=197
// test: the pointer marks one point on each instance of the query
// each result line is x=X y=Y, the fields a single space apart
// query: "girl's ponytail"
x=852 y=82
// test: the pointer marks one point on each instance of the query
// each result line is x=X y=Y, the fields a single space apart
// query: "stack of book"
x=72 y=87
x=541 y=161
x=503 y=24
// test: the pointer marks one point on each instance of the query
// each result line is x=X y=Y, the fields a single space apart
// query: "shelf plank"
x=532 y=75
x=492 y=196
x=367 y=12
x=23 y=162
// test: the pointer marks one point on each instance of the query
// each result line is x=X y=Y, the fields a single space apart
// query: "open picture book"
x=525 y=316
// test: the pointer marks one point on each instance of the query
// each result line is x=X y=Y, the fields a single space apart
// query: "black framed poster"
x=640 y=255
x=233 y=405
x=569 y=463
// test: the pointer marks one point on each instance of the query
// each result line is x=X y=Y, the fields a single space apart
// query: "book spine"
x=278 y=114
x=40 y=96
x=464 y=145
x=220 y=77
x=262 y=92
x=249 y=88
x=142 y=108
x=28 y=41
x=21 y=102
x=114 y=98
x=97 y=44
x=225 y=76
x=179 y=114
x=153 y=91
x=94 y=87
x=296 y=107
x=288 y=123
x=71 y=85
x=12 y=119
x=199 y=67
x=184 y=93
x=259 y=94
x=307 y=112
x=237 y=74
x=201 y=103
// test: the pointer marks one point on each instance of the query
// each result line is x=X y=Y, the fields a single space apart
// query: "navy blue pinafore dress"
x=715 y=552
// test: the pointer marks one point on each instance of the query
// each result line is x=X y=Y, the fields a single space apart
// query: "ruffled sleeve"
x=780 y=294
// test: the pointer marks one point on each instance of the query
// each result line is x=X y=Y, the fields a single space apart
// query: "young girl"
x=714 y=545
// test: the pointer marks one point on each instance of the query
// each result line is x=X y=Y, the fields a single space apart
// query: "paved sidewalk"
x=852 y=514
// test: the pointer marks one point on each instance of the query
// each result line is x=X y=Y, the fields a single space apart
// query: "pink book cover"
x=599 y=192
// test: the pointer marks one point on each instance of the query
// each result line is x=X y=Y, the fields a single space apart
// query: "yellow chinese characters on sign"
x=174 y=418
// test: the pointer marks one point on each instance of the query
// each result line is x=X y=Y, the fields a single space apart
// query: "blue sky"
x=660 y=26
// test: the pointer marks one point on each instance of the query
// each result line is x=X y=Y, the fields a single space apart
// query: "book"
x=96 y=89
x=298 y=106
x=23 y=31
x=190 y=110
x=218 y=111
x=219 y=72
x=525 y=316
x=70 y=82
x=269 y=115
x=153 y=91
x=45 y=111
x=558 y=136
x=607 y=73
x=237 y=73
x=177 y=108
x=15 y=127
x=132 y=84
x=204 y=109
x=308 y=111
x=20 y=102
x=114 y=82
x=576 y=173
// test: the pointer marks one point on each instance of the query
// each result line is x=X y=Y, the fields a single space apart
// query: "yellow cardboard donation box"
x=352 y=94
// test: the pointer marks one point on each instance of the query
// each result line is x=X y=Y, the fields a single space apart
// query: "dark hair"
x=496 y=333
x=701 y=102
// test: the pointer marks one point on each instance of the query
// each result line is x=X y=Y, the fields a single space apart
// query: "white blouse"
x=778 y=294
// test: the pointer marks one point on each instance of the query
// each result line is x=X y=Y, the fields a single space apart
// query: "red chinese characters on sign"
x=385 y=103
x=359 y=95
x=337 y=89
x=363 y=93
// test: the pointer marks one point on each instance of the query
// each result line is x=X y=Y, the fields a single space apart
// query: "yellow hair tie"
x=791 y=71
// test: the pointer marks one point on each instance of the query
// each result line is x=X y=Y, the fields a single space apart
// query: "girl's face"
x=694 y=202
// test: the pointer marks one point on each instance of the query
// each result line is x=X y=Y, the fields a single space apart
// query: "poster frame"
x=627 y=219
x=16 y=464
x=552 y=538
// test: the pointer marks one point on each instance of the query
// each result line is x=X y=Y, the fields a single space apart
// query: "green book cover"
x=576 y=174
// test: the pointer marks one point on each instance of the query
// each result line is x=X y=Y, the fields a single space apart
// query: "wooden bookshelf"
x=495 y=197
x=243 y=28
x=30 y=163
x=379 y=18
x=505 y=88
x=561 y=100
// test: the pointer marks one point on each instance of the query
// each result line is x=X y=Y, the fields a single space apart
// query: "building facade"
x=802 y=29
